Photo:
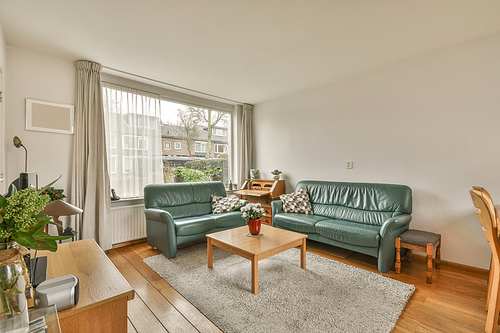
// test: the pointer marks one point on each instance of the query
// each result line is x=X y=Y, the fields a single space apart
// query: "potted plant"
x=249 y=183
x=54 y=193
x=20 y=230
x=253 y=213
x=276 y=174
x=255 y=173
x=214 y=173
x=179 y=174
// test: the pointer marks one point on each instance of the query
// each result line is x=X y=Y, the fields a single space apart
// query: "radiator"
x=129 y=223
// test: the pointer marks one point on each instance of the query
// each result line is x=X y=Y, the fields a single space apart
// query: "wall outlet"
x=350 y=165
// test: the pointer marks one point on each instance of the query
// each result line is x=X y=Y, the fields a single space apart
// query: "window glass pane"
x=203 y=137
x=167 y=145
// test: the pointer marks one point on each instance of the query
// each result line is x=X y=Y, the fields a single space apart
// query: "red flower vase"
x=254 y=226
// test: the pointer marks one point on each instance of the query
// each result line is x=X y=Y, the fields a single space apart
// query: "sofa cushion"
x=194 y=225
x=228 y=220
x=349 y=232
x=297 y=202
x=225 y=204
x=298 y=222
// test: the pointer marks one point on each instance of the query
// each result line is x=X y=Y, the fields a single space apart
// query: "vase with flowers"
x=253 y=213
x=276 y=174
x=20 y=230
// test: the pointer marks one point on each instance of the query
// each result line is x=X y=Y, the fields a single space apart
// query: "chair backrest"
x=487 y=220
x=491 y=206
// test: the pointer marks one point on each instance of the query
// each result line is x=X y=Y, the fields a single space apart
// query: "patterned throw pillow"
x=224 y=204
x=297 y=202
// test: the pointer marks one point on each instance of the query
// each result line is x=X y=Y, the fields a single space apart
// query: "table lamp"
x=58 y=208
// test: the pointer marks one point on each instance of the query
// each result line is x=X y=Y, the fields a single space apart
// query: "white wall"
x=431 y=122
x=3 y=67
x=38 y=76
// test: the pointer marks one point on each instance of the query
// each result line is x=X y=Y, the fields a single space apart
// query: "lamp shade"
x=60 y=208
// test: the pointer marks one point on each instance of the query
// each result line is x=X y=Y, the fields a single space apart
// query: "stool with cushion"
x=419 y=240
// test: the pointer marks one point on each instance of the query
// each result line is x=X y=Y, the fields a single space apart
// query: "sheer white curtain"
x=133 y=128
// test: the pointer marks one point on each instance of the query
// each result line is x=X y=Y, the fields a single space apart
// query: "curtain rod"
x=172 y=85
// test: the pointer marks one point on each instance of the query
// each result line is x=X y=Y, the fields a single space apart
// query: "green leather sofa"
x=361 y=217
x=178 y=213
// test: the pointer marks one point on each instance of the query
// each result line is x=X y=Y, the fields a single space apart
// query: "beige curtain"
x=246 y=147
x=90 y=184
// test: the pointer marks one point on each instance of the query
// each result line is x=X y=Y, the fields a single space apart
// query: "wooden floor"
x=454 y=302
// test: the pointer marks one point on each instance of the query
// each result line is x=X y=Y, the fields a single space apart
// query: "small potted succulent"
x=179 y=174
x=253 y=213
x=276 y=174
x=214 y=173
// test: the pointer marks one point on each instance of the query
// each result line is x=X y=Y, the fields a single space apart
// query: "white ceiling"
x=249 y=51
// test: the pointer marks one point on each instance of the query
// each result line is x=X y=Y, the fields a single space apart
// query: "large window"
x=133 y=134
x=203 y=135
x=148 y=136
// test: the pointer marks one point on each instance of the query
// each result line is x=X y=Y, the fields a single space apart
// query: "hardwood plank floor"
x=454 y=302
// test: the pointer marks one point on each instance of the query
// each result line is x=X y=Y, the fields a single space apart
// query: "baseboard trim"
x=132 y=242
x=455 y=265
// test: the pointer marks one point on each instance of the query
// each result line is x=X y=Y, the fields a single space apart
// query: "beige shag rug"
x=328 y=296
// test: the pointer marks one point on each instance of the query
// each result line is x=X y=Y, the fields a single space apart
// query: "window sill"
x=127 y=202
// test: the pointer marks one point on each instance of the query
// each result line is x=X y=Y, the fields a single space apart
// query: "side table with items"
x=264 y=192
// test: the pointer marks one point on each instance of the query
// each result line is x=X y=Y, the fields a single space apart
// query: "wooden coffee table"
x=274 y=241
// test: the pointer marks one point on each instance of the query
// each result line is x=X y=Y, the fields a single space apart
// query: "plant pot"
x=14 y=307
x=254 y=226
x=215 y=179
x=178 y=179
x=276 y=177
x=249 y=185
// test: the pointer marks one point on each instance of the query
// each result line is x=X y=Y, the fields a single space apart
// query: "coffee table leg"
x=303 y=254
x=210 y=255
x=255 y=275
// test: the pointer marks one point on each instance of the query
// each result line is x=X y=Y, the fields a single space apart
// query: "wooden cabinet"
x=263 y=191
x=104 y=292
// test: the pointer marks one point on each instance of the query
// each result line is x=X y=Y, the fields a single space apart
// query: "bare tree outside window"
x=203 y=138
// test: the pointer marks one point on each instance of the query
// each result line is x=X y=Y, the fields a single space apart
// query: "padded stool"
x=419 y=240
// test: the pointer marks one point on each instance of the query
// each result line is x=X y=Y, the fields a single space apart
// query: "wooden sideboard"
x=263 y=191
x=104 y=292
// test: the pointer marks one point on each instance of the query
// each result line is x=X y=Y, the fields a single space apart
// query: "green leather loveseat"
x=178 y=213
x=361 y=217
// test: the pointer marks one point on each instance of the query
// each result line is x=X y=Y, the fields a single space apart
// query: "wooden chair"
x=487 y=219
x=493 y=212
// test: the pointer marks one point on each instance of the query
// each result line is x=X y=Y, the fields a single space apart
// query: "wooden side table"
x=419 y=240
x=104 y=292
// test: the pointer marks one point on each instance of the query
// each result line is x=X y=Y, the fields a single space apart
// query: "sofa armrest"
x=159 y=215
x=277 y=207
x=391 y=228
x=394 y=223
x=243 y=203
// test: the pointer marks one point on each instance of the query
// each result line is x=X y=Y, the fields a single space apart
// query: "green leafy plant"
x=179 y=171
x=191 y=175
x=20 y=220
x=216 y=172
x=276 y=172
x=255 y=172
x=54 y=193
